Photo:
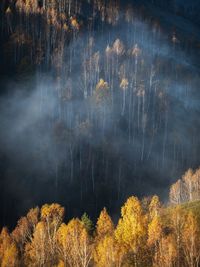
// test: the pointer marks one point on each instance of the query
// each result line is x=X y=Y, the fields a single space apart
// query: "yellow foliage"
x=104 y=224
x=191 y=228
x=75 y=23
x=33 y=216
x=154 y=206
x=191 y=240
x=177 y=217
x=65 y=27
x=131 y=227
x=154 y=230
x=10 y=257
x=102 y=92
x=102 y=85
x=60 y=264
x=124 y=84
x=37 y=251
x=105 y=252
x=74 y=243
x=5 y=242
x=53 y=212
x=21 y=231
x=167 y=252
x=168 y=236
x=62 y=234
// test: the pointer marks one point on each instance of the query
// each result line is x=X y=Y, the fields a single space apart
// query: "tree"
x=101 y=92
x=21 y=234
x=25 y=227
x=37 y=251
x=167 y=252
x=154 y=227
x=191 y=241
x=118 y=47
x=82 y=246
x=154 y=207
x=104 y=225
x=11 y=256
x=188 y=185
x=177 y=223
x=5 y=241
x=105 y=253
x=41 y=249
x=155 y=235
x=87 y=223
x=52 y=213
x=108 y=252
x=63 y=243
x=52 y=216
x=74 y=244
x=8 y=250
x=124 y=85
x=187 y=188
x=175 y=195
x=196 y=179
x=131 y=228
x=74 y=23
x=105 y=249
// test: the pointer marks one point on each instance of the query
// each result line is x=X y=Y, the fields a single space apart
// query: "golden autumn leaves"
x=8 y=250
x=147 y=234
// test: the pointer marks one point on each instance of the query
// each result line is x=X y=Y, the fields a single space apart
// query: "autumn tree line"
x=147 y=234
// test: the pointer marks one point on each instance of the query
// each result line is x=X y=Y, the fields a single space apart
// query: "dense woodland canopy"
x=146 y=234
x=99 y=101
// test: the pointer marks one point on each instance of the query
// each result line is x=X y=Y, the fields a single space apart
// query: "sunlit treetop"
x=52 y=212
x=104 y=224
x=124 y=84
x=102 y=85
x=74 y=23
x=118 y=47
x=136 y=51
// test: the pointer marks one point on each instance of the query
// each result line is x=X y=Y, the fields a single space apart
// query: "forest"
x=99 y=102
x=148 y=233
